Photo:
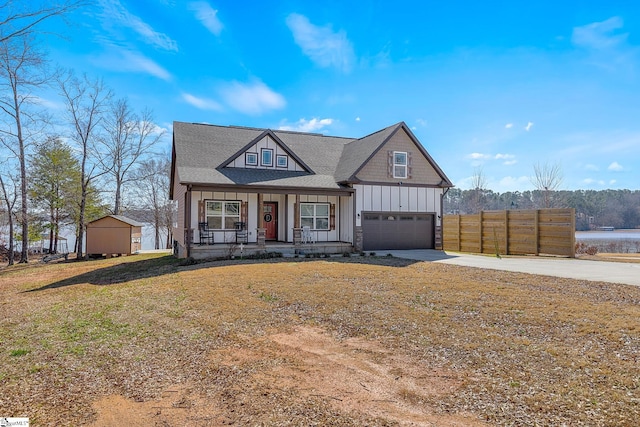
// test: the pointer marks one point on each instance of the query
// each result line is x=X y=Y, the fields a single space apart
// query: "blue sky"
x=491 y=86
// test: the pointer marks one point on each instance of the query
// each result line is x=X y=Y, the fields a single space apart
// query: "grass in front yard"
x=526 y=349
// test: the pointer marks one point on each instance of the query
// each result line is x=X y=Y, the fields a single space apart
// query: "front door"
x=270 y=216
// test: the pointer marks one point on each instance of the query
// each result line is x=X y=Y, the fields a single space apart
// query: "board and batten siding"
x=398 y=198
x=268 y=143
x=179 y=192
x=344 y=220
x=320 y=235
x=377 y=168
x=224 y=236
x=285 y=214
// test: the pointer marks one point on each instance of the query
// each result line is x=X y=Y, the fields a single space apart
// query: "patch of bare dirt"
x=362 y=376
x=354 y=375
x=176 y=406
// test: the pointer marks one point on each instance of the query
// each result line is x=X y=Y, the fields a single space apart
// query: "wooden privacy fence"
x=517 y=232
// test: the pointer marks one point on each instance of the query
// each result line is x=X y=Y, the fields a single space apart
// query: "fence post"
x=536 y=227
x=480 y=228
x=506 y=232
x=573 y=232
x=459 y=232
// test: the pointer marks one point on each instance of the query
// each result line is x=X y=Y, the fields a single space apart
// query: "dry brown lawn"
x=142 y=341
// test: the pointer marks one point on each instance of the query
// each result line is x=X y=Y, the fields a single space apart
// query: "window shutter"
x=243 y=213
x=409 y=165
x=390 y=164
x=332 y=216
x=201 y=217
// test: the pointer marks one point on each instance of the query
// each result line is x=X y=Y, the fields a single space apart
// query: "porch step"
x=287 y=250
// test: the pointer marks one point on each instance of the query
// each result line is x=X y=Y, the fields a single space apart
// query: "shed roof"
x=120 y=218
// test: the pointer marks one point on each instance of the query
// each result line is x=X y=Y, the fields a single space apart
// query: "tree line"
x=594 y=208
x=66 y=169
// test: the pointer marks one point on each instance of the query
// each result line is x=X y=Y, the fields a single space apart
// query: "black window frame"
x=263 y=151
x=286 y=161
x=246 y=159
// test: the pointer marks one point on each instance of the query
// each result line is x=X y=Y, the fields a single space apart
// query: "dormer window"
x=282 y=161
x=399 y=164
x=266 y=157
x=251 y=159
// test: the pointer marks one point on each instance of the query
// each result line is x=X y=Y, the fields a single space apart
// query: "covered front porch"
x=234 y=223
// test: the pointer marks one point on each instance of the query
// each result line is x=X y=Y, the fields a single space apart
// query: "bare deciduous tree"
x=152 y=192
x=86 y=101
x=10 y=192
x=22 y=72
x=547 y=179
x=128 y=137
x=479 y=186
x=20 y=18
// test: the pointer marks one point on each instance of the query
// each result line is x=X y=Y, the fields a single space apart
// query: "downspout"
x=188 y=235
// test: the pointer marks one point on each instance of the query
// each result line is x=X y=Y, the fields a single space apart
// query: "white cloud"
x=613 y=181
x=201 y=103
x=253 y=98
x=49 y=104
x=421 y=122
x=479 y=156
x=591 y=167
x=509 y=159
x=599 y=35
x=324 y=46
x=135 y=61
x=126 y=60
x=357 y=119
x=508 y=126
x=615 y=166
x=207 y=15
x=528 y=126
x=115 y=13
x=304 y=125
x=160 y=130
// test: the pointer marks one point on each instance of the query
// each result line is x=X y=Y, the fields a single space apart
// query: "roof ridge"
x=381 y=130
x=295 y=132
x=310 y=133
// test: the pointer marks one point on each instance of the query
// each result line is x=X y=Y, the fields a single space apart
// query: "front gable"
x=267 y=151
x=401 y=158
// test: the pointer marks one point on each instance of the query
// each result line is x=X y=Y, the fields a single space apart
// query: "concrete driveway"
x=600 y=271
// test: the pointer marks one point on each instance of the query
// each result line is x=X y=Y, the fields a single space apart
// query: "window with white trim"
x=282 y=161
x=314 y=215
x=266 y=157
x=251 y=159
x=221 y=215
x=399 y=164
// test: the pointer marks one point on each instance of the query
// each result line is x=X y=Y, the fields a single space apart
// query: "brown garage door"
x=383 y=230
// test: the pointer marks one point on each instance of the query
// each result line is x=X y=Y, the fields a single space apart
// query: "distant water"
x=608 y=235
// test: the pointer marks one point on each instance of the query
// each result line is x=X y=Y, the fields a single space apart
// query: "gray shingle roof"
x=358 y=151
x=202 y=150
x=121 y=218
